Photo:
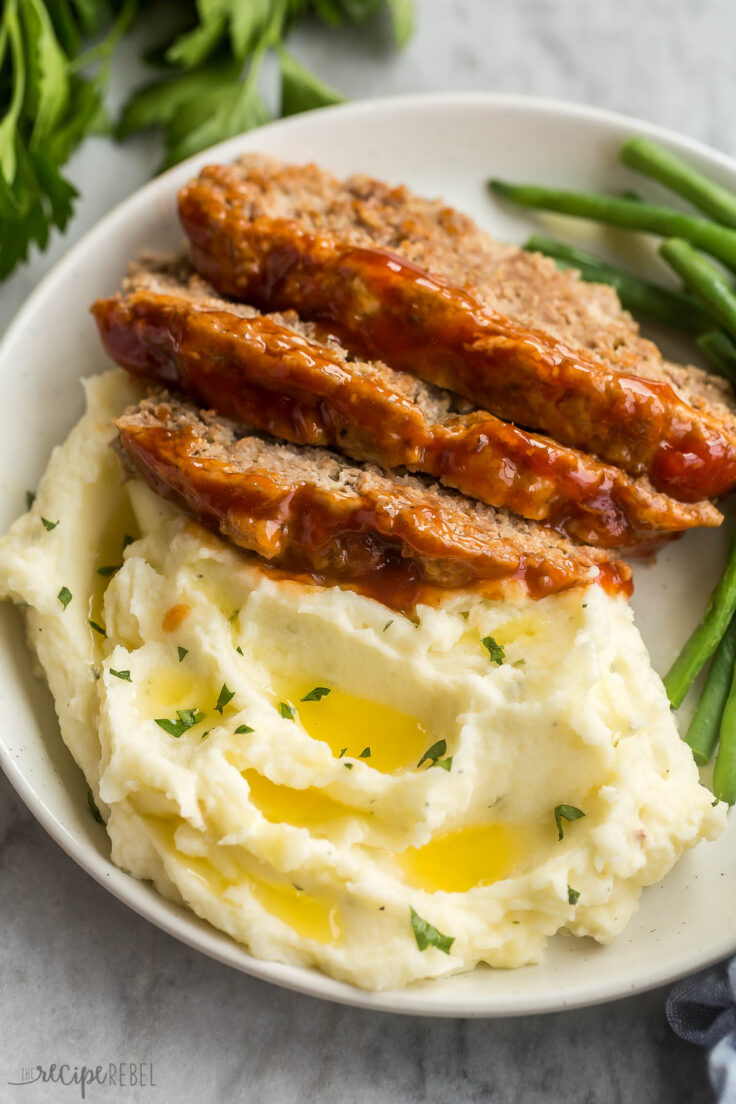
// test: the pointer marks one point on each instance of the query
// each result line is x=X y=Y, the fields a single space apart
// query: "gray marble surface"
x=84 y=980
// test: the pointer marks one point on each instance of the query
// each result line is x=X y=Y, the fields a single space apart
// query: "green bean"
x=724 y=772
x=710 y=285
x=629 y=214
x=721 y=353
x=673 y=308
x=702 y=643
x=654 y=160
x=702 y=734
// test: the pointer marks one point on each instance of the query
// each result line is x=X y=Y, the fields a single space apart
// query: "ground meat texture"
x=308 y=510
x=402 y=280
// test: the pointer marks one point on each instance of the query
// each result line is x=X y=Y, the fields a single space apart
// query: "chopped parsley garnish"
x=365 y=753
x=317 y=694
x=287 y=711
x=225 y=696
x=96 y=814
x=241 y=729
x=30 y=499
x=49 y=525
x=427 y=935
x=108 y=569
x=239 y=650
x=205 y=735
x=182 y=652
x=387 y=625
x=124 y=675
x=348 y=766
x=572 y=895
x=298 y=888
x=446 y=764
x=98 y=628
x=566 y=812
x=186 y=718
x=434 y=753
x=495 y=650
x=342 y=752
x=64 y=596
x=127 y=539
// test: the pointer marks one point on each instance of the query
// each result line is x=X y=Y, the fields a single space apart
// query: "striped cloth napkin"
x=702 y=1010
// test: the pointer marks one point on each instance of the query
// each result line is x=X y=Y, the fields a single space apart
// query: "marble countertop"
x=85 y=980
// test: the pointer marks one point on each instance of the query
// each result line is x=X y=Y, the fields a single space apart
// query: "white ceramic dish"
x=439 y=145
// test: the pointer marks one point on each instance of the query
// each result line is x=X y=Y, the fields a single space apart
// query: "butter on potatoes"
x=255 y=744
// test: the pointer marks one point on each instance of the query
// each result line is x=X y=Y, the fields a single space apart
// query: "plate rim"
x=182 y=923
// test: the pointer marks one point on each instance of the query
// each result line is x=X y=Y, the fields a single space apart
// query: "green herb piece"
x=127 y=539
x=224 y=697
x=242 y=729
x=298 y=888
x=317 y=694
x=182 y=652
x=205 y=735
x=64 y=596
x=30 y=499
x=186 y=719
x=49 y=525
x=110 y=569
x=446 y=764
x=433 y=753
x=287 y=711
x=387 y=625
x=572 y=895
x=124 y=675
x=233 y=616
x=96 y=814
x=495 y=651
x=566 y=812
x=239 y=650
x=348 y=766
x=342 y=752
x=302 y=90
x=365 y=753
x=98 y=628
x=427 y=935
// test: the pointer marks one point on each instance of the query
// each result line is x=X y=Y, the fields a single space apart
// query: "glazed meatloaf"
x=278 y=374
x=308 y=510
x=419 y=286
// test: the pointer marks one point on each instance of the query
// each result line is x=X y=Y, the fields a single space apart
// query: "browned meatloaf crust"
x=274 y=374
x=306 y=509
x=418 y=285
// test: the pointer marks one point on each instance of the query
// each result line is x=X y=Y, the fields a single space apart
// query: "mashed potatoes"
x=332 y=783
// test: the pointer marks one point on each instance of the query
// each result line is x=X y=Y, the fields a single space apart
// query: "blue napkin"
x=702 y=1010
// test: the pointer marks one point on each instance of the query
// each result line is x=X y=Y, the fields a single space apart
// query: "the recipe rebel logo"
x=114 y=1075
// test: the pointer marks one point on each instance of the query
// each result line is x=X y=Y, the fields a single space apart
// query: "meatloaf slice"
x=272 y=373
x=307 y=510
x=346 y=254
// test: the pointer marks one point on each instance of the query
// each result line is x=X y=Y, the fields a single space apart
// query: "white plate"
x=439 y=145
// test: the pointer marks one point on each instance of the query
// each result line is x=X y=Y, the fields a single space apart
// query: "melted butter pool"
x=349 y=724
x=459 y=860
x=282 y=804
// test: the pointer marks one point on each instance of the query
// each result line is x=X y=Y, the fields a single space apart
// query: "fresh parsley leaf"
x=185 y=719
x=495 y=651
x=239 y=650
x=566 y=812
x=402 y=20
x=348 y=766
x=225 y=696
x=124 y=675
x=64 y=596
x=96 y=814
x=49 y=525
x=287 y=711
x=302 y=90
x=427 y=935
x=317 y=694
x=446 y=764
x=98 y=628
x=182 y=652
x=30 y=499
x=365 y=753
x=241 y=729
x=342 y=752
x=108 y=570
x=387 y=625
x=572 y=895
x=433 y=753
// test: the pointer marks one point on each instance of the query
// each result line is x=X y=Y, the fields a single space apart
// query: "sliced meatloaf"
x=307 y=510
x=419 y=286
x=274 y=374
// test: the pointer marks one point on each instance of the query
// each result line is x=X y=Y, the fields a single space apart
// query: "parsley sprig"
x=52 y=88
